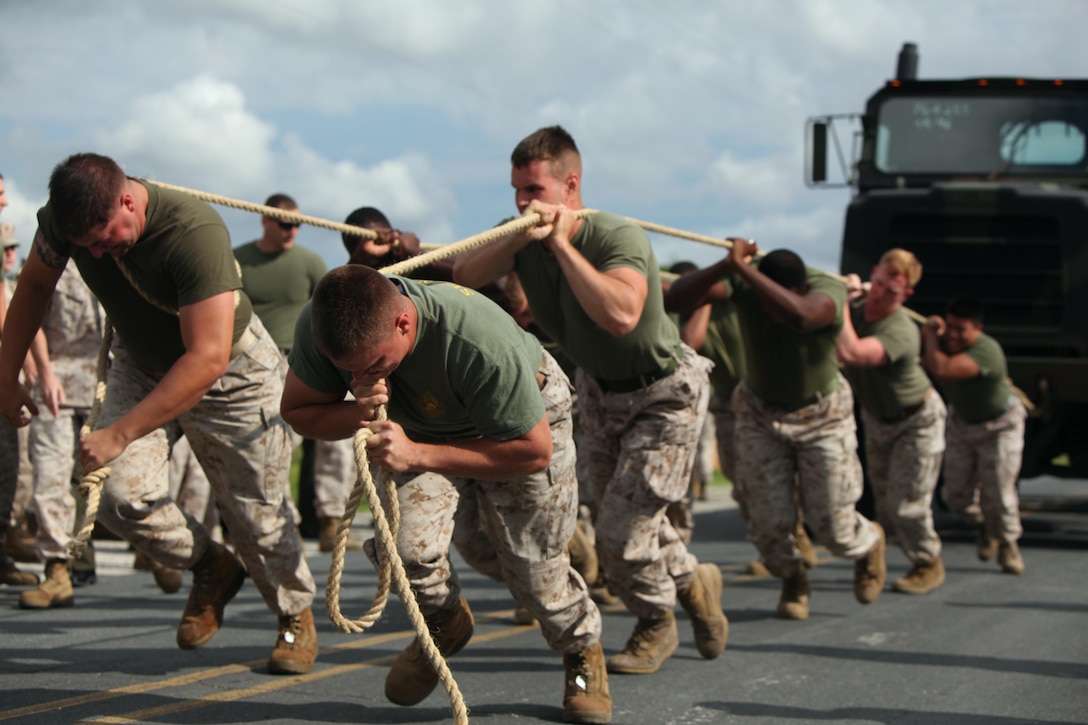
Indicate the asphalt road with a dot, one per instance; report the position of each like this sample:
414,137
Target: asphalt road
986,648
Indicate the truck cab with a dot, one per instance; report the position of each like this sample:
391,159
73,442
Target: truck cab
986,181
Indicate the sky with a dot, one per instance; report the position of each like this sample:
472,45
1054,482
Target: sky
688,113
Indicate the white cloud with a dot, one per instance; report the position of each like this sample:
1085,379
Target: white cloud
689,113
198,128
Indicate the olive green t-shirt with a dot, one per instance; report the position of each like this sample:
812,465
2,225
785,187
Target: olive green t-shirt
607,241
279,284
724,346
786,368
471,372
985,396
182,257
886,390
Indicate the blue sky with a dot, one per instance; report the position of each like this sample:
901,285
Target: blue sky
688,113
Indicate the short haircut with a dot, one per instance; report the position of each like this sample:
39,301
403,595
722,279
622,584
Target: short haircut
967,307
364,216
281,201
84,192
353,306
784,268
900,261
552,143
682,268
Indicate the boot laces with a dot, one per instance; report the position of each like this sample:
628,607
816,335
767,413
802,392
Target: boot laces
290,626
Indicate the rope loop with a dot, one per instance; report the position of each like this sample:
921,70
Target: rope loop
389,564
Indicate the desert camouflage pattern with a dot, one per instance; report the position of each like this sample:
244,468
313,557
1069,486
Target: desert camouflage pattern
334,476
725,423
53,458
244,447
73,326
640,448
517,530
807,458
681,514
981,465
190,488
903,462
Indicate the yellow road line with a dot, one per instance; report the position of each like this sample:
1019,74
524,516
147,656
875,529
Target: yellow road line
277,684
182,680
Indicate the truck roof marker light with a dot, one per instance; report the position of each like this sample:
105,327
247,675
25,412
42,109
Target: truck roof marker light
983,82
895,83
1057,81
1021,82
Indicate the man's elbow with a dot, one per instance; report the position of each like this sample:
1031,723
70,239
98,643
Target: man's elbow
618,326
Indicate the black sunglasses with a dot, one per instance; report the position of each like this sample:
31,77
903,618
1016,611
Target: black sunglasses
286,226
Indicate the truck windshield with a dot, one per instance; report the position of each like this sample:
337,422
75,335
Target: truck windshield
976,136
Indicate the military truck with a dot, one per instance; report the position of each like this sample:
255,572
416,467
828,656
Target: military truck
986,181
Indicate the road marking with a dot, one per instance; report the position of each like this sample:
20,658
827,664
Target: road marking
278,684
273,685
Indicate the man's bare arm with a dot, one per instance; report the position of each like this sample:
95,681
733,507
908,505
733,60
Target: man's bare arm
206,330
36,284
485,264
859,352
481,458
317,415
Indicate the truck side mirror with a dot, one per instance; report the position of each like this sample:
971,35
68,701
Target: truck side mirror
818,160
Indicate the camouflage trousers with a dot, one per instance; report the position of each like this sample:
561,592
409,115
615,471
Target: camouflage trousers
981,466
805,457
53,455
334,476
334,472
725,425
681,514
640,448
517,529
904,461
52,446
190,488
243,444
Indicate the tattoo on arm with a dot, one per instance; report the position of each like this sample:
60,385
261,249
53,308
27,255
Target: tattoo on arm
51,258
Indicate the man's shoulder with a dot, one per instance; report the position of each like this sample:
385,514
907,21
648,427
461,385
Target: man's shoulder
605,222
988,346
246,250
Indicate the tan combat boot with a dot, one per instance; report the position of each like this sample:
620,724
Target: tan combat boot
870,571
12,576
793,604
21,541
55,591
169,580
651,643
583,557
586,698
702,600
217,577
923,577
805,547
326,535
411,678
1008,556
987,546
296,645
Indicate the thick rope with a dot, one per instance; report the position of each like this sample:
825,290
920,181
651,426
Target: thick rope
270,211
90,486
389,566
